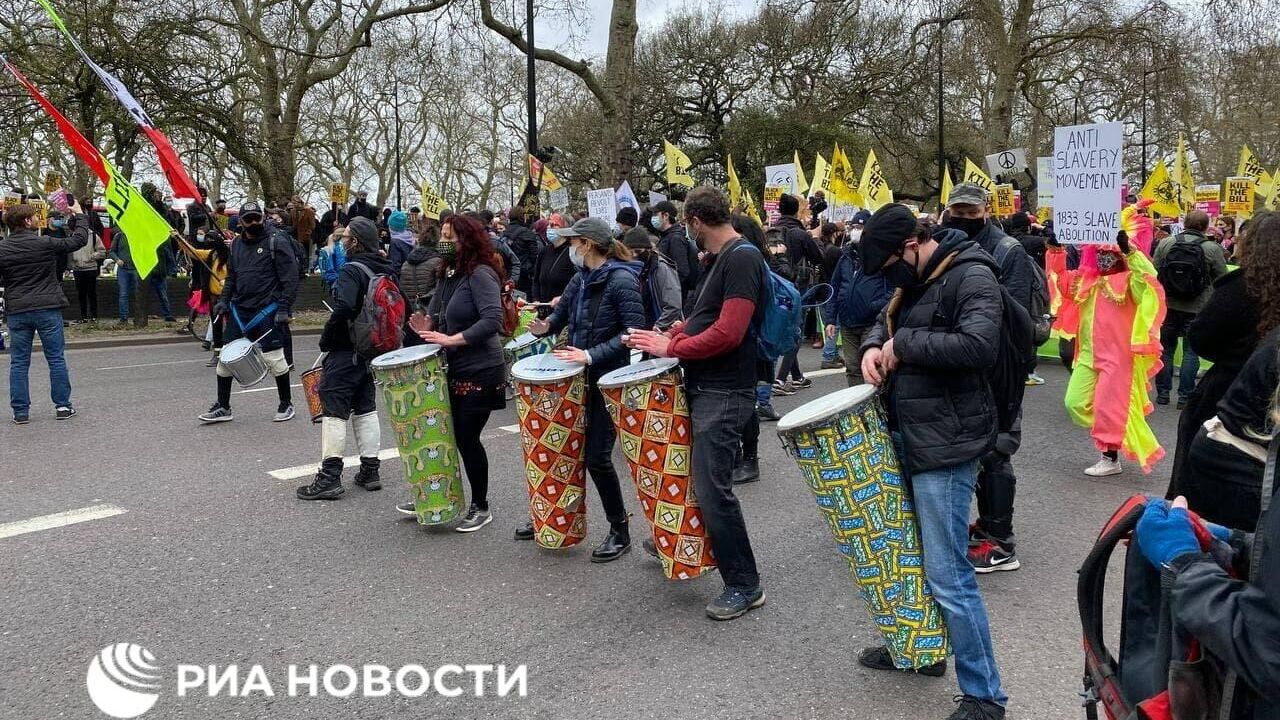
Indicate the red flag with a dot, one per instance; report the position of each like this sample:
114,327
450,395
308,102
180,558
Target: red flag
79,143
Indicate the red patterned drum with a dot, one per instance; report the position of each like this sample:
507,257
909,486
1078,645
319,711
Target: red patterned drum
551,401
648,406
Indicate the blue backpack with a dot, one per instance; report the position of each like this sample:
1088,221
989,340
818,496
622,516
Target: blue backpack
778,330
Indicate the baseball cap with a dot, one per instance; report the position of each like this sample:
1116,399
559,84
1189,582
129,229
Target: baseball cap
967,194
250,209
595,229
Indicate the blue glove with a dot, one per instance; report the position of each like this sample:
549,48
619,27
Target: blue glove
1165,532
1218,532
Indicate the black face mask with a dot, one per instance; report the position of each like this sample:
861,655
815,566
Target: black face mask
253,231
968,226
900,274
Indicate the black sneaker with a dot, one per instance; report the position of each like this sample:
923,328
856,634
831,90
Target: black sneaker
746,471
21,419
475,519
971,708
1182,403
734,604
525,531
802,383
1162,398
64,413
878,658
989,556
766,413
216,414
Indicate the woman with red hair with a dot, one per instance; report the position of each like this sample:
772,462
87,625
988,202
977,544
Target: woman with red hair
464,317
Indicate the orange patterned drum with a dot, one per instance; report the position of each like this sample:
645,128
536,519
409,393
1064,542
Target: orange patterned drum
311,389
551,401
648,406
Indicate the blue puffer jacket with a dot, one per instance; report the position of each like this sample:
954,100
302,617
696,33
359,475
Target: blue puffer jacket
856,297
599,315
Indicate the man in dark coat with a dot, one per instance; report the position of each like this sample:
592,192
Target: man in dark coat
525,244
362,208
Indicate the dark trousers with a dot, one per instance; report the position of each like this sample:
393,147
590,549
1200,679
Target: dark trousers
599,457
87,293
1067,352
469,420
790,365
995,491
1222,484
717,417
1175,327
346,385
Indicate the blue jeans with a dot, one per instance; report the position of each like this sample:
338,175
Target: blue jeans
829,349
127,283
23,328
1176,323
942,497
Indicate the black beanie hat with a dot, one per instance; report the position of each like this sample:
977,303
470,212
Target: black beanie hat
885,232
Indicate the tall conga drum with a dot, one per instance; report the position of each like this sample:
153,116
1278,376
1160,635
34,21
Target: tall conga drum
525,345
846,456
415,391
551,401
649,408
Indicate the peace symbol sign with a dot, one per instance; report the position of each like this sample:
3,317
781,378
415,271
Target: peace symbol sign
1007,160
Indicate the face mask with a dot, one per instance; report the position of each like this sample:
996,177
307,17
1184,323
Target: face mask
617,230
697,241
900,274
553,237
656,222
968,226
199,237
254,231
855,234
576,258
58,223
448,250
1107,262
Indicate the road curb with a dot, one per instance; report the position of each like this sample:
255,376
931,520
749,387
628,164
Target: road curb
120,342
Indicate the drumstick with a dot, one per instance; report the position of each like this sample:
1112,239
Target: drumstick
327,305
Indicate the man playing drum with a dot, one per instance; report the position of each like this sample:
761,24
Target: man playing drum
931,352
719,361
262,279
346,386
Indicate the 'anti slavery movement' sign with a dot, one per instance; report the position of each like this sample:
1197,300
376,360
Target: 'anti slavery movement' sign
1087,173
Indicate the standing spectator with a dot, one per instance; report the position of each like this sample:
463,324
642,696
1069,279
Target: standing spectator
829,238
361,207
526,246
1188,265
421,268
806,264
127,281
659,286
857,297
554,269
332,256
86,266
817,205
403,241
626,219
221,216
675,244
34,301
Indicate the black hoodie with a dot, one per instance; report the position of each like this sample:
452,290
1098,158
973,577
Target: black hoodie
348,298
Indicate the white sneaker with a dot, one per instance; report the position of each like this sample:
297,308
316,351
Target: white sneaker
1104,467
283,414
1034,379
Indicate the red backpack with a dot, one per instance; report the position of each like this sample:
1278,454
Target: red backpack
379,326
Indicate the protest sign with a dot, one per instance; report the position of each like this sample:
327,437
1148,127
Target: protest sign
1239,195
784,175
602,203
1044,182
772,195
1209,199
559,198
1007,165
1087,163
338,193
1004,204
52,181
41,220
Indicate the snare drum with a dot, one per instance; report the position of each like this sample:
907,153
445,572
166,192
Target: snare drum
243,359
551,401
843,448
415,389
648,406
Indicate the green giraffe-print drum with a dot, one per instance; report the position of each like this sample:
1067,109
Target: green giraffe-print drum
415,390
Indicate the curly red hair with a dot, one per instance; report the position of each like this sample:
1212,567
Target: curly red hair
474,247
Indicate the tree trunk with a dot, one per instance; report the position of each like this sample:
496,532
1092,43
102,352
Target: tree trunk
619,71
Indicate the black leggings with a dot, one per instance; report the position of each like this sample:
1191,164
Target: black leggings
87,292
468,423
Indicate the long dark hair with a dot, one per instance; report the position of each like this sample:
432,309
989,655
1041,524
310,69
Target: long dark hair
750,230
474,247
1260,257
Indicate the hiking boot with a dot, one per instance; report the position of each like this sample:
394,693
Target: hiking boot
525,531
327,484
734,603
781,387
367,476
475,519
1104,467
746,471
615,545
1034,379
878,658
832,364
284,413
216,414
1162,398
65,413
802,383
766,413
989,557
971,708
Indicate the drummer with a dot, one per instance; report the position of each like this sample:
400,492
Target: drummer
599,304
346,385
261,282
464,317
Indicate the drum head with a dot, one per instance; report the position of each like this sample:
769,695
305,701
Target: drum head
826,407
404,356
545,368
522,340
235,350
637,372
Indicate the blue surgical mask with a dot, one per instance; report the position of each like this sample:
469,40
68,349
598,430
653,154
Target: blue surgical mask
656,222
58,222
553,236
576,258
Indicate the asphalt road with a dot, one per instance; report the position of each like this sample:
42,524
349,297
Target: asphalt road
215,562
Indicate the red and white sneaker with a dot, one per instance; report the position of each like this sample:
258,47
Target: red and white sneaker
989,557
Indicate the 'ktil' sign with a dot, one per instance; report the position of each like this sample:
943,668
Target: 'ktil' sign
1087,175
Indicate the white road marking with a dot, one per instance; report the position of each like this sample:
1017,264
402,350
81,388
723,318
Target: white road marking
57,520
294,473
152,364
824,373
262,389
510,428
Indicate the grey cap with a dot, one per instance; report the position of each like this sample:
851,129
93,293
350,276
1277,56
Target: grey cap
967,194
597,230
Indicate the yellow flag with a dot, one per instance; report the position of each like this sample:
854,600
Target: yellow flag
678,165
821,175
749,206
974,174
946,183
844,182
1162,191
1185,181
433,204
135,217
874,187
801,183
1250,167
550,183
735,187
1273,202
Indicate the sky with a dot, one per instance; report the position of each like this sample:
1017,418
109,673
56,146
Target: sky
650,14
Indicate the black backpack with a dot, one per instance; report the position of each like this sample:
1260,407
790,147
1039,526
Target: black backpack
1184,273
1041,319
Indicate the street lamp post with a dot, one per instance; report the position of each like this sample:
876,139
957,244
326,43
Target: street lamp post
395,106
532,89
1145,75
942,153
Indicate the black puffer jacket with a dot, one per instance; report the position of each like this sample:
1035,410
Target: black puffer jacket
939,397
526,245
599,314
29,267
418,274
258,276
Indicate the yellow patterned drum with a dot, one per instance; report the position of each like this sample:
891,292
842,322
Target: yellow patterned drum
551,401
647,403
844,451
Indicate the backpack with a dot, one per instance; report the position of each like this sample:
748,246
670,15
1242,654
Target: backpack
379,326
1160,672
1041,318
778,331
1184,273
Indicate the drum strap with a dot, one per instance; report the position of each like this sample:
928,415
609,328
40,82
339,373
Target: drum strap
262,315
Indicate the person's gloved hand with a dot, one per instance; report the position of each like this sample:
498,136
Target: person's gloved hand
219,308
282,316
1218,532
1165,532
